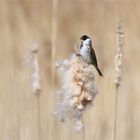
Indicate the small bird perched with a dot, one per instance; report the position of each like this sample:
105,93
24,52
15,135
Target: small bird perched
88,54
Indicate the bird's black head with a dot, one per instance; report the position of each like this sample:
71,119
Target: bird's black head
84,37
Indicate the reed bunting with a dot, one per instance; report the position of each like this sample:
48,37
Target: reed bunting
88,54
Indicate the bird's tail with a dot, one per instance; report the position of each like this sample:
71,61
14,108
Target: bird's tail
99,72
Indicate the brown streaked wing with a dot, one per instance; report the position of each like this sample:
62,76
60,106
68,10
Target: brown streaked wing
93,56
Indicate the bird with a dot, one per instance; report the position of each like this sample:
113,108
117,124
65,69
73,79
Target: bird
88,54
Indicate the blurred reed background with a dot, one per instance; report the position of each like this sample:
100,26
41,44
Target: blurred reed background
56,27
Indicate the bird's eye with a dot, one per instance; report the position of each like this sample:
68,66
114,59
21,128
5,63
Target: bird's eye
84,38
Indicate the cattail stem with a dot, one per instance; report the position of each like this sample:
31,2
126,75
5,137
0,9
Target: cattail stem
53,54
115,115
83,130
39,120
54,36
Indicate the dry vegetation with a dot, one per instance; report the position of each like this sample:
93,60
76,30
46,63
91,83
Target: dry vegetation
23,116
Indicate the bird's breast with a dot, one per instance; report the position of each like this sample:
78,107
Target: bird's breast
85,53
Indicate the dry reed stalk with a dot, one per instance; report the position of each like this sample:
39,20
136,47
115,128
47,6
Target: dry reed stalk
32,59
53,54
77,90
118,68
54,37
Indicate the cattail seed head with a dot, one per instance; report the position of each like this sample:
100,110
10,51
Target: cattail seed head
77,89
32,59
119,55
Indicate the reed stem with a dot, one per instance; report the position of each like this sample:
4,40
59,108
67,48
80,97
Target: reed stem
115,115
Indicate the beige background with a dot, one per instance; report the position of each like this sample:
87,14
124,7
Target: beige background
24,116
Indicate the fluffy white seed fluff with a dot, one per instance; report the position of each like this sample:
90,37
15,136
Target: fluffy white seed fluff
77,89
